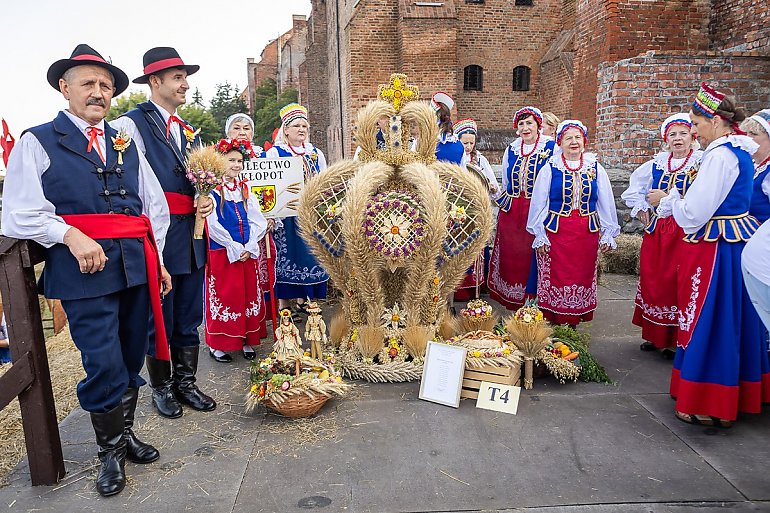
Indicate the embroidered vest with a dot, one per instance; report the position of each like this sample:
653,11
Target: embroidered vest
181,253
311,160
77,182
662,179
732,222
760,203
564,187
526,168
233,217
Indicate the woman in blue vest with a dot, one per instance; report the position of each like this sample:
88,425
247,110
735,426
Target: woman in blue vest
234,303
513,266
449,148
572,216
656,310
721,365
299,275
758,128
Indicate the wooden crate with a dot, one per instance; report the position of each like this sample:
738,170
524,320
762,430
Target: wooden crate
472,378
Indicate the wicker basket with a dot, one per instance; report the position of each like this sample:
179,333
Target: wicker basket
298,406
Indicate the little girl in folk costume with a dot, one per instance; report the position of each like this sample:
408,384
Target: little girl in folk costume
234,303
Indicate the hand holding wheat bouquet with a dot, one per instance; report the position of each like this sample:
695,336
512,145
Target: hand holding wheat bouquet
205,169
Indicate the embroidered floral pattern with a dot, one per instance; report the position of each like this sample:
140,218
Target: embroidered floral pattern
288,271
513,292
687,317
217,310
568,299
662,315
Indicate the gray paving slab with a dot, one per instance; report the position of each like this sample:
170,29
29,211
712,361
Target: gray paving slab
740,454
699,507
402,454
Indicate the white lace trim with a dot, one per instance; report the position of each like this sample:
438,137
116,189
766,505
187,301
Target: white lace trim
589,159
666,205
609,240
516,145
761,169
541,240
743,142
661,160
640,207
447,138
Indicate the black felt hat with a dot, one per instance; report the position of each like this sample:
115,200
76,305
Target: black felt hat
84,54
160,58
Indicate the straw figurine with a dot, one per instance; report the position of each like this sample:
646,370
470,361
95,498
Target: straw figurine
288,344
315,330
205,169
530,333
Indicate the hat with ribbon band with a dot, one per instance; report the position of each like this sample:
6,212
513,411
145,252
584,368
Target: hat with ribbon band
85,55
160,58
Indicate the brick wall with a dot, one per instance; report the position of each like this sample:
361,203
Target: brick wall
314,85
637,94
740,25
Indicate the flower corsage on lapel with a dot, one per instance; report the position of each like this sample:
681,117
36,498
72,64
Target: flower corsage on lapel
120,143
190,135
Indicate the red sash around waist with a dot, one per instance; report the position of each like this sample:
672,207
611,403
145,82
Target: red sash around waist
116,226
179,204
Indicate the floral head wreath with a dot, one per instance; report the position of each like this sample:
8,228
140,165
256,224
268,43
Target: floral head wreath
241,145
285,314
528,111
567,124
682,119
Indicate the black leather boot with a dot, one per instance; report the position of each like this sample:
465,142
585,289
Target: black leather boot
136,450
162,394
109,429
185,363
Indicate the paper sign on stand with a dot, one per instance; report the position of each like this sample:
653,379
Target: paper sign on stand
497,397
276,183
442,374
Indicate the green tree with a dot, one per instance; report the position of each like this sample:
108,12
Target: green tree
267,107
203,119
225,103
125,103
197,98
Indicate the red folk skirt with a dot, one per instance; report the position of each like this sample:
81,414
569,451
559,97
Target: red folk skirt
264,280
657,308
566,281
235,308
510,277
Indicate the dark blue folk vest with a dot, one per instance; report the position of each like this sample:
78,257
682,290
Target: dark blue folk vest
181,254
563,187
77,182
760,203
233,217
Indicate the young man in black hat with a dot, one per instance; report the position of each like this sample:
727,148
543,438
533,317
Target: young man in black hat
80,188
165,139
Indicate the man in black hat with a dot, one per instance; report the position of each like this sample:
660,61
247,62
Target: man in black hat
83,190
165,139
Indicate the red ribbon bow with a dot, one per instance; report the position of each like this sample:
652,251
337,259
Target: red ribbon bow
173,119
93,140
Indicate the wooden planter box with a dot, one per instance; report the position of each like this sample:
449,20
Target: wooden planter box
472,378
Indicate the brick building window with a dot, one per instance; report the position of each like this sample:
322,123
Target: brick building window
473,78
521,78
523,2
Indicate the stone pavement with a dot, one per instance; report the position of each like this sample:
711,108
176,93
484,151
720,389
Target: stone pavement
571,449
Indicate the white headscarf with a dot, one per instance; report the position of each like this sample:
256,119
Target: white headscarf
235,117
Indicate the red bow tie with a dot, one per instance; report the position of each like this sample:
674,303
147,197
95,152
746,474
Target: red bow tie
173,119
93,140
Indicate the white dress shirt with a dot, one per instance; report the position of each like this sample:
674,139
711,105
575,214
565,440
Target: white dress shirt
257,226
716,176
605,202
129,126
27,214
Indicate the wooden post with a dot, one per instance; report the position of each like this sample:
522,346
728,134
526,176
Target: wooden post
29,377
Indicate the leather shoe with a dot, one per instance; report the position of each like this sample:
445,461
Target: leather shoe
223,358
249,355
647,346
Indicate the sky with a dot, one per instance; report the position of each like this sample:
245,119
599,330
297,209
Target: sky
218,36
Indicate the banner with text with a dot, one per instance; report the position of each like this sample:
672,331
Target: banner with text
276,183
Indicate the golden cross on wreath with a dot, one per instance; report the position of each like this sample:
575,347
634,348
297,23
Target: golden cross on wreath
398,92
